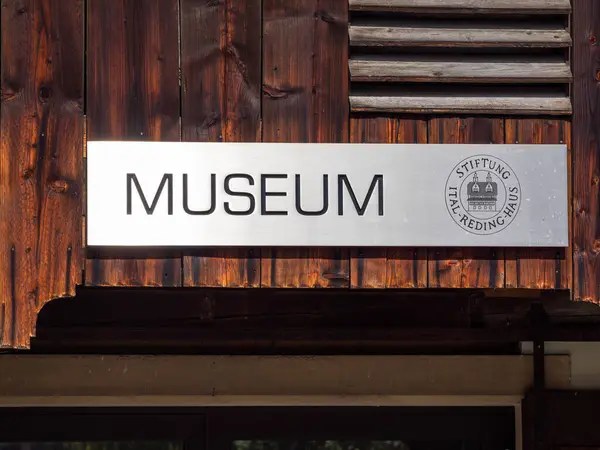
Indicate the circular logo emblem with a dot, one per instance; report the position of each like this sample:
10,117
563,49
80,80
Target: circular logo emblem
483,194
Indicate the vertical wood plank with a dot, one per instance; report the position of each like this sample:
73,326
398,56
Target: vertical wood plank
393,267
368,266
133,94
221,76
537,268
40,160
473,267
407,267
586,150
305,99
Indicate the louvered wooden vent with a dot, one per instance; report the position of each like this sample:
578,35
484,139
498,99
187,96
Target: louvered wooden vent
460,56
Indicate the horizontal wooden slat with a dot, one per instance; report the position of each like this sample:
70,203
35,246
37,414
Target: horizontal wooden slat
461,104
465,6
440,35
383,68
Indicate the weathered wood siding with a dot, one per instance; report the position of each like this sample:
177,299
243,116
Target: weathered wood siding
586,151
221,79
464,6
484,267
538,268
272,71
41,160
478,35
460,69
393,267
305,92
460,56
132,94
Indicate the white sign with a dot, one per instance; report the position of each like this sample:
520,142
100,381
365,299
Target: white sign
247,194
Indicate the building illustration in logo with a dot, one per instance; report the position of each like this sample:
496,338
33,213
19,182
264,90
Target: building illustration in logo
482,195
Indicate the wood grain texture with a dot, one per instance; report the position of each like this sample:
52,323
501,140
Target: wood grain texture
41,174
391,267
440,34
368,266
464,6
586,151
221,80
133,94
229,267
402,68
455,103
461,267
537,268
305,99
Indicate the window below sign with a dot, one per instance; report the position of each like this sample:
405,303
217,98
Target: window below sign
424,444
105,445
259,428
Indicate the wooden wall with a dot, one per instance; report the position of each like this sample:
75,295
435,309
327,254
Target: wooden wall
236,70
41,165
586,159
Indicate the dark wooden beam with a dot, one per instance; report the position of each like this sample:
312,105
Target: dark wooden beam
321,321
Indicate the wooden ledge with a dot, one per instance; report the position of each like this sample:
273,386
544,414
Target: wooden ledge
432,34
457,104
42,380
403,68
464,6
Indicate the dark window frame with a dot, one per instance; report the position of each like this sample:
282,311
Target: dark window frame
215,428
51,424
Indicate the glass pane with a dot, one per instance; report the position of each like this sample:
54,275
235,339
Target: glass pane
361,445
319,445
122,445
